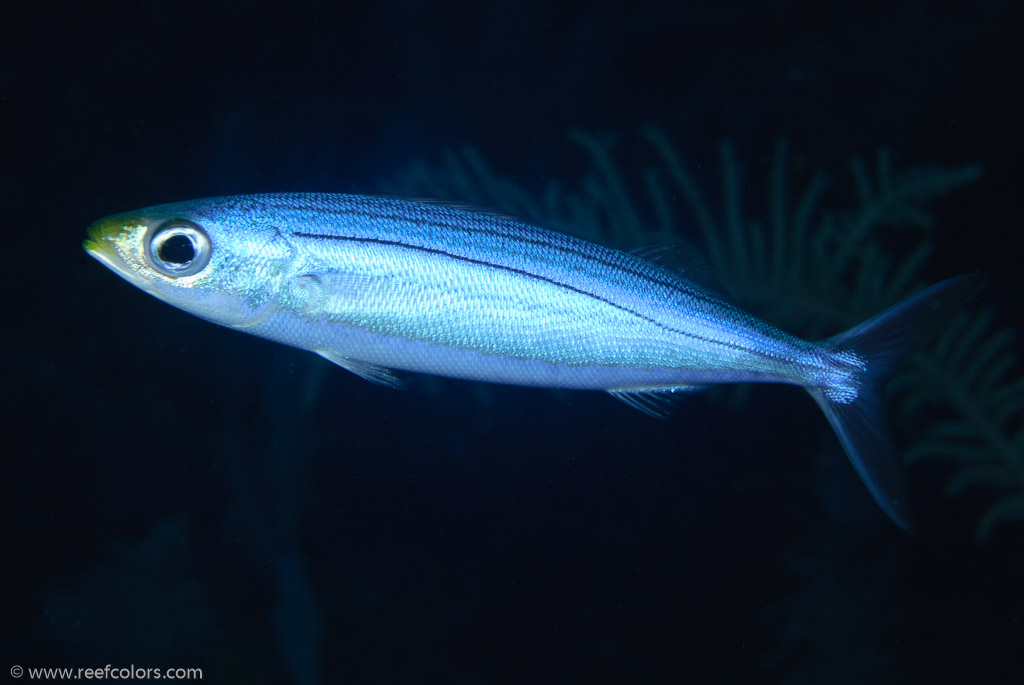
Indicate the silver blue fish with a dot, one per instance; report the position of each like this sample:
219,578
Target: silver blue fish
376,284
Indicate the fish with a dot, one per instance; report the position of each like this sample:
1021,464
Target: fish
378,284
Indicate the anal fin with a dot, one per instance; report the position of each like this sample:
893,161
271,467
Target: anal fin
371,372
656,402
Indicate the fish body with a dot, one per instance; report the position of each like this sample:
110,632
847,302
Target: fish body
375,284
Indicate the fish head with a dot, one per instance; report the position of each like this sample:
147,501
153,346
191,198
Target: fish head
220,265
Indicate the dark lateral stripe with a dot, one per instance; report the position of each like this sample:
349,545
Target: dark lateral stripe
521,272
423,220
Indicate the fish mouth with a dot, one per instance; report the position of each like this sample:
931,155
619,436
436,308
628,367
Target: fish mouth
100,234
101,253
102,245
104,235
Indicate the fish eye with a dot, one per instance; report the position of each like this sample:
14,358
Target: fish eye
179,248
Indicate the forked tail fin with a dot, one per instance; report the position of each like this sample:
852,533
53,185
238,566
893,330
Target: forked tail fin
883,342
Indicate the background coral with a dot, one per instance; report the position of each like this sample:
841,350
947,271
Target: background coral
806,260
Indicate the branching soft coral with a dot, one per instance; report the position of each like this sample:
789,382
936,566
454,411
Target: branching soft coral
808,265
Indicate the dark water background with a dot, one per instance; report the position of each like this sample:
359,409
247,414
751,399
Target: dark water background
178,495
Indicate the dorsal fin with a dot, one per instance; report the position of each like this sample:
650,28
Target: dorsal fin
470,207
686,261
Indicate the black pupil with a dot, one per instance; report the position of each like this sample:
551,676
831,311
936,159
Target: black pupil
177,249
